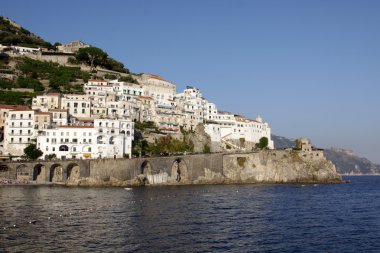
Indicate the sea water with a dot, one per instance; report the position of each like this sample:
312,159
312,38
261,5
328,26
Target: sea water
211,218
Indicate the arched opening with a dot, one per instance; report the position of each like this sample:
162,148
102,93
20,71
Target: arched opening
56,173
179,170
111,140
73,171
146,168
63,148
39,173
100,139
4,170
22,172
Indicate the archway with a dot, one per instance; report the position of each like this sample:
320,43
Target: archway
63,148
179,170
22,172
39,173
146,168
56,173
4,170
73,171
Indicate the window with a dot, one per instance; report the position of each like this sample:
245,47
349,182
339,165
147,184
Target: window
75,140
83,110
47,139
75,105
53,148
63,148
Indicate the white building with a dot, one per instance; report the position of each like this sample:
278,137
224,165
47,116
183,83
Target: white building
156,87
106,138
78,106
47,102
19,131
72,47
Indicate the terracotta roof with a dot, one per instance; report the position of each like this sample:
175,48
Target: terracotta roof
21,109
14,107
53,94
94,80
155,77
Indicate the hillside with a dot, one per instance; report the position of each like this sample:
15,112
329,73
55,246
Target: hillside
345,161
23,76
13,34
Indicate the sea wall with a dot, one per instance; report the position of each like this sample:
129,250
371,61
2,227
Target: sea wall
269,166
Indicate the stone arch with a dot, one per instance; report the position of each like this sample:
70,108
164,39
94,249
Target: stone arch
179,170
73,171
56,173
39,172
4,170
22,172
146,168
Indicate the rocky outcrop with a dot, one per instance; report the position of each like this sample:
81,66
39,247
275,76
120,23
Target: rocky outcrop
279,167
200,139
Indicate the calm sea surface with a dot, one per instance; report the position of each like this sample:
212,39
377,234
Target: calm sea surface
222,218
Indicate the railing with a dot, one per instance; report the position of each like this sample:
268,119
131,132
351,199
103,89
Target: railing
20,134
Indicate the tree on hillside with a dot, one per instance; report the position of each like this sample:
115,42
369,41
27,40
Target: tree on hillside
32,152
263,143
93,56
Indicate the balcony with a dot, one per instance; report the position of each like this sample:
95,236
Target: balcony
20,134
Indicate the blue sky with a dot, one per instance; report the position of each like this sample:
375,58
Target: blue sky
309,68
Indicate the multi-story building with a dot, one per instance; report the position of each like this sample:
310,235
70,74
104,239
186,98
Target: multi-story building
78,106
156,87
47,102
19,131
104,138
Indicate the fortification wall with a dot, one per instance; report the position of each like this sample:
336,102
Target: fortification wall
269,166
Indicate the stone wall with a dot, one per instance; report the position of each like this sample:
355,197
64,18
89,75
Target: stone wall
269,166
279,167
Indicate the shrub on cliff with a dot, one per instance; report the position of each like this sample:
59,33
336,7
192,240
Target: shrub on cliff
263,143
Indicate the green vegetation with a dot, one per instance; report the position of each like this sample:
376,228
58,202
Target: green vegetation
16,98
263,143
128,79
12,35
30,83
206,149
32,152
241,161
298,144
167,144
60,77
142,126
94,57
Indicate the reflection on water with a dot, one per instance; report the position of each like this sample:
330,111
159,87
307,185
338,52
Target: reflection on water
234,218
